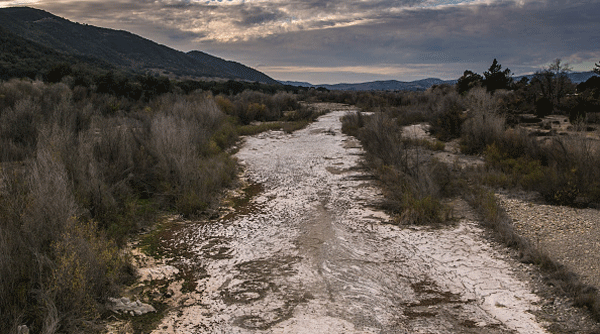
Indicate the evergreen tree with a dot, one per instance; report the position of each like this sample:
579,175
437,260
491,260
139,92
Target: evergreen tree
468,81
496,78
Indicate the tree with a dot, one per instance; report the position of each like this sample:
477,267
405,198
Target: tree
552,82
496,78
597,69
59,71
468,80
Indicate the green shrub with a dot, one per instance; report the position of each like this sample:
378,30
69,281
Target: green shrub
446,122
249,130
420,211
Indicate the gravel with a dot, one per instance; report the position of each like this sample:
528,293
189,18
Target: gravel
570,236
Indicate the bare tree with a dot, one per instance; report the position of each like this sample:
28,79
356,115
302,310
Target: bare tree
552,82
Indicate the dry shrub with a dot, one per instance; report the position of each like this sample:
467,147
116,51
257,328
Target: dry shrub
484,124
352,122
59,266
16,90
573,169
412,180
447,117
18,130
382,138
186,140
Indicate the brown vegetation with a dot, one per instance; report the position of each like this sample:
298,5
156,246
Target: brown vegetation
563,168
81,170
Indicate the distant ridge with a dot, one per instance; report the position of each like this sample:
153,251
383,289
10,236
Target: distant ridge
119,48
297,84
392,85
230,68
575,77
388,85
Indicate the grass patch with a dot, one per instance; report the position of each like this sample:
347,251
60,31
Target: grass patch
431,145
290,127
150,243
146,323
254,129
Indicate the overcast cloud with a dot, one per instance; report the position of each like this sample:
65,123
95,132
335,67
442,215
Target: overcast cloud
359,40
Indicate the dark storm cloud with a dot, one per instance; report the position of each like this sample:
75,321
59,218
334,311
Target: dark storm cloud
258,15
378,39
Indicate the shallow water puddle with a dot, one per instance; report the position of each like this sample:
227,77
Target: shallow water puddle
316,257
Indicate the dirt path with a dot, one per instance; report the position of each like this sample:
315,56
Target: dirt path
310,253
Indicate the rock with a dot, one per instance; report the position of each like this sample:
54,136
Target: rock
124,305
157,273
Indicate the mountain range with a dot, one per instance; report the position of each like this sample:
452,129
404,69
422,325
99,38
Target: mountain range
33,40
61,38
391,85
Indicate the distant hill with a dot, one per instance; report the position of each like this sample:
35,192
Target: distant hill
575,77
118,47
391,85
378,85
231,68
23,58
296,83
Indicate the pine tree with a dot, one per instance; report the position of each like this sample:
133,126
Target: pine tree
496,78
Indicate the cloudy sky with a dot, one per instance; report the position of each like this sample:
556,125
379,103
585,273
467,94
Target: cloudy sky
333,41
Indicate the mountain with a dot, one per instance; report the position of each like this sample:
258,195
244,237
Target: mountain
23,58
118,47
296,83
386,85
391,85
230,68
575,77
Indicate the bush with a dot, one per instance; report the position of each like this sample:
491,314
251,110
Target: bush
484,125
61,267
78,177
352,122
446,123
18,132
412,181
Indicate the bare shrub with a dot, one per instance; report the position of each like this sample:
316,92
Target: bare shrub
185,153
283,102
352,123
382,138
406,171
447,118
574,164
16,90
484,125
76,178
59,266
18,130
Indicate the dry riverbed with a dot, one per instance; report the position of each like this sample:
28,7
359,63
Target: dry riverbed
308,251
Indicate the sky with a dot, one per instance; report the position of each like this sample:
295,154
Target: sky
351,41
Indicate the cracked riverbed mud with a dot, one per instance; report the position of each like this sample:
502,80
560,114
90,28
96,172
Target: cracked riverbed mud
310,252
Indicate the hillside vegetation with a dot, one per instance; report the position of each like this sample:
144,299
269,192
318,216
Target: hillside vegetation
118,48
88,161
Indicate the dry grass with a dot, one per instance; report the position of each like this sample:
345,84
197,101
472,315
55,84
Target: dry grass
84,177
413,182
